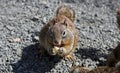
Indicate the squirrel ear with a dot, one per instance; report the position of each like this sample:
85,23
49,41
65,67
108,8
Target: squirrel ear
65,23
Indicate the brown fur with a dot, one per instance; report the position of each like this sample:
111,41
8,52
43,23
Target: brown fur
102,69
59,32
114,56
77,69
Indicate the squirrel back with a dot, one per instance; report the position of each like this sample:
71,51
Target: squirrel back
59,36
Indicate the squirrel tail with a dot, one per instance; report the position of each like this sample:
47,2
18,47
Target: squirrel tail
66,11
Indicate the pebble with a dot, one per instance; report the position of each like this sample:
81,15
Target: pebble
9,27
35,39
36,18
19,52
16,39
102,59
44,20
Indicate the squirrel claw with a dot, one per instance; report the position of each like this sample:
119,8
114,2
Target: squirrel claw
70,57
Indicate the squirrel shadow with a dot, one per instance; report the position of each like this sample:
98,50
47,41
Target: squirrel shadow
32,62
94,54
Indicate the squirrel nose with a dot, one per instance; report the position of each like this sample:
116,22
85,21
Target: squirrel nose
56,43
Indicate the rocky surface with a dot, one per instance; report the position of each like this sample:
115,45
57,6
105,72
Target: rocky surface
21,20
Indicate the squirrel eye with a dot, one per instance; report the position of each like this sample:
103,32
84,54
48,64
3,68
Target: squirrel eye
63,33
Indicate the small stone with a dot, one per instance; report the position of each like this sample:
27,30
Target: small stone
76,63
12,32
44,2
44,20
102,59
47,6
19,51
10,40
36,18
17,40
9,27
10,68
35,38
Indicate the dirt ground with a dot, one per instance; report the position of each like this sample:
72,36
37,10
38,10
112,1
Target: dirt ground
21,21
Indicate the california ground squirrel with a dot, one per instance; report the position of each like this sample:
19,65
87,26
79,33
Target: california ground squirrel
102,69
59,36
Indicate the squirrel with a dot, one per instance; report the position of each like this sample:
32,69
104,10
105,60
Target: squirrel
101,69
60,36
114,56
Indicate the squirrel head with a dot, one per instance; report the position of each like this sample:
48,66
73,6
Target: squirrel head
59,33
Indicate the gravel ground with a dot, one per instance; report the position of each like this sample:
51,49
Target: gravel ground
21,20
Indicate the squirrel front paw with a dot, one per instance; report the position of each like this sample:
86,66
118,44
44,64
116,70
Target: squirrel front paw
70,57
54,50
60,51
